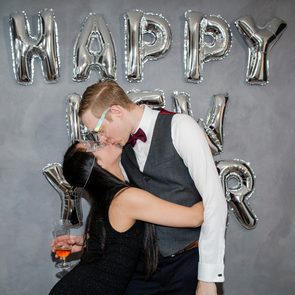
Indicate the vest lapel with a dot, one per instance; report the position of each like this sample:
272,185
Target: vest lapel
129,155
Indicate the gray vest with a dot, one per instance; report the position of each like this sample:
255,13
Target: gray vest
166,176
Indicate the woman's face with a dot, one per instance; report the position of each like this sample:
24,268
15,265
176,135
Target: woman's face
108,155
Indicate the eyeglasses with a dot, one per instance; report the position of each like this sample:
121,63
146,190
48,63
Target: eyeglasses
91,136
94,135
100,121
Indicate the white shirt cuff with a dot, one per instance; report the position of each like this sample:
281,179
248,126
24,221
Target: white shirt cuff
211,272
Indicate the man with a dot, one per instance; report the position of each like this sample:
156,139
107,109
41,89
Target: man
166,154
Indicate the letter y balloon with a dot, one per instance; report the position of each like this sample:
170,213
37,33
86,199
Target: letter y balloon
259,41
70,197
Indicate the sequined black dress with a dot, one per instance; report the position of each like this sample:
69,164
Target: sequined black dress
107,271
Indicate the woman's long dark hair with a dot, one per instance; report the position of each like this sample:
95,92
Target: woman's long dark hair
81,170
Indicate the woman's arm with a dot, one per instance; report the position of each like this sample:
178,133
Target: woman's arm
137,204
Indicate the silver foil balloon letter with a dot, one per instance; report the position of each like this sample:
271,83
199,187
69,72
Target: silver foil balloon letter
196,50
137,50
70,197
237,180
182,103
76,129
87,58
259,41
214,123
26,48
72,118
153,98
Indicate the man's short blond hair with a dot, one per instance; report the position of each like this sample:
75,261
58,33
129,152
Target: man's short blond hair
102,95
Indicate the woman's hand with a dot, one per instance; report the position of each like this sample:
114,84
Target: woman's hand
74,242
199,211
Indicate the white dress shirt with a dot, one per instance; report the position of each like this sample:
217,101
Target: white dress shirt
190,142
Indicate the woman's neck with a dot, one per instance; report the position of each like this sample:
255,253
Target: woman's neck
117,171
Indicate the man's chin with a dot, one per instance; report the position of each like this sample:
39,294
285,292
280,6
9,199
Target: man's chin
118,145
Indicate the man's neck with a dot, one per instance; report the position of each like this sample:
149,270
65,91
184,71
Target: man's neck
135,116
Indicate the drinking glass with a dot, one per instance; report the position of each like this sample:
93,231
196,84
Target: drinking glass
62,228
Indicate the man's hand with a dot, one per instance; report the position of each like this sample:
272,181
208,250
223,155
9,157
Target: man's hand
75,242
206,288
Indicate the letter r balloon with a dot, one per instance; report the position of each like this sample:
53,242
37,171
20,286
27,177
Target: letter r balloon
237,179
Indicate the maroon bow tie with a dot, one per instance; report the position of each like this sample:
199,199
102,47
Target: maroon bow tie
139,134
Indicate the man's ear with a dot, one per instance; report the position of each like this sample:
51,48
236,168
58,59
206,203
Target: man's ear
117,110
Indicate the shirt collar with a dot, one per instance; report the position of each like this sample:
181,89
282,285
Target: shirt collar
147,121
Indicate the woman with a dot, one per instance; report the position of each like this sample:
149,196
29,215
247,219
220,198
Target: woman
115,231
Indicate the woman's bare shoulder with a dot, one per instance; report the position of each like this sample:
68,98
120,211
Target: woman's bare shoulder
128,196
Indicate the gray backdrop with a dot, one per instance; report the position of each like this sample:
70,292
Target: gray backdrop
259,128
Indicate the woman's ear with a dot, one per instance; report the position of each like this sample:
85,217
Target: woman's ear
98,159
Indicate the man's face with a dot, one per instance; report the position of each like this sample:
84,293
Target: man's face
113,129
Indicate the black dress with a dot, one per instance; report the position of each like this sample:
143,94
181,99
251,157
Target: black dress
107,271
